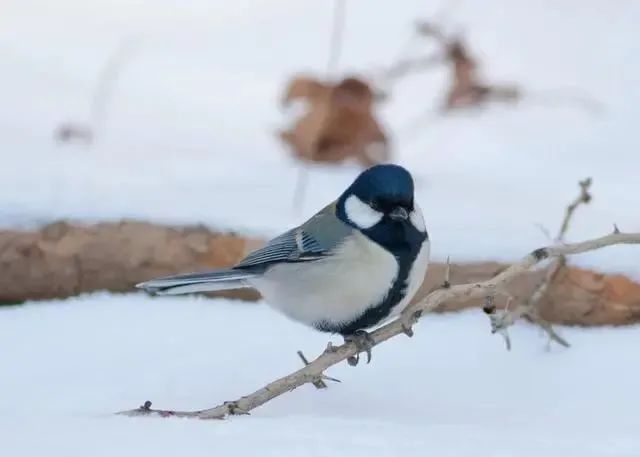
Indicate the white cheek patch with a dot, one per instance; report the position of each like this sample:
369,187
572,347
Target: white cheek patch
416,218
360,213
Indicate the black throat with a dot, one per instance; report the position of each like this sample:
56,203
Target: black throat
404,241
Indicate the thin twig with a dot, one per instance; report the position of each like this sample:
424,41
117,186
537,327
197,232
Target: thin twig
107,80
502,319
318,383
584,197
404,67
337,33
545,231
335,48
567,97
328,358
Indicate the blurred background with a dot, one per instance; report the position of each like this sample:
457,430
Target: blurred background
185,121
147,137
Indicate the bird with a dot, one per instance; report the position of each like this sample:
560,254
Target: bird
352,266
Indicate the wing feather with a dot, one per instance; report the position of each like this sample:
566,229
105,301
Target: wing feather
296,245
313,240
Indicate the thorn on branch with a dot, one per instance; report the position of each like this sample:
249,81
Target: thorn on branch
318,383
330,348
407,321
447,275
545,231
407,330
616,230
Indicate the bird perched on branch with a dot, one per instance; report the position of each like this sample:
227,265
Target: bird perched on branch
354,264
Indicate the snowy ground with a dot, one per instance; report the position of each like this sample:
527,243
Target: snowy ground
188,139
453,390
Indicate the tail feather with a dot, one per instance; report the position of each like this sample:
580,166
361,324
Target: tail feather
207,281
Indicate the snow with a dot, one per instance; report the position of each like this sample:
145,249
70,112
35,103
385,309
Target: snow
189,132
189,139
451,390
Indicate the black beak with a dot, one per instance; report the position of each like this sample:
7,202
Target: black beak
399,214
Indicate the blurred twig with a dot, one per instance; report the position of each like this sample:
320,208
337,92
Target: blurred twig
467,89
107,80
102,94
336,39
337,35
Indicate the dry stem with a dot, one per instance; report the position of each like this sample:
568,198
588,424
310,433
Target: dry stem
315,369
501,320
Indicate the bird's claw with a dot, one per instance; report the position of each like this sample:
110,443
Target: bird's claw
363,342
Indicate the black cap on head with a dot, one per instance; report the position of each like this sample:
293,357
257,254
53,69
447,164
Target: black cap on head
386,183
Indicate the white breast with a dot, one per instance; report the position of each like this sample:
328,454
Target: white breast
335,290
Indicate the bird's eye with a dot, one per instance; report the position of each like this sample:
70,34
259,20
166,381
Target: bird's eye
375,205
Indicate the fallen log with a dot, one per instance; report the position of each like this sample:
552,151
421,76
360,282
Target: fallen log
64,259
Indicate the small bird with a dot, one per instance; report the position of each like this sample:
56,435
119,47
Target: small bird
353,265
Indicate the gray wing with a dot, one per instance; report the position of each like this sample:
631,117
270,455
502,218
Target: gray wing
313,240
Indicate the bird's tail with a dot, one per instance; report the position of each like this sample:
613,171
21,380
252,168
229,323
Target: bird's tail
207,281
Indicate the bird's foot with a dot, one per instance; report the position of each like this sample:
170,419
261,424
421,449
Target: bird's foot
363,342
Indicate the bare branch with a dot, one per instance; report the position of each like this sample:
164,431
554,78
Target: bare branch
328,358
404,67
502,319
584,197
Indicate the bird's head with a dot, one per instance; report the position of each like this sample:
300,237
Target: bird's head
382,196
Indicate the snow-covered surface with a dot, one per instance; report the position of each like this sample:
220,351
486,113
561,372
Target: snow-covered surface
189,139
452,390
189,132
